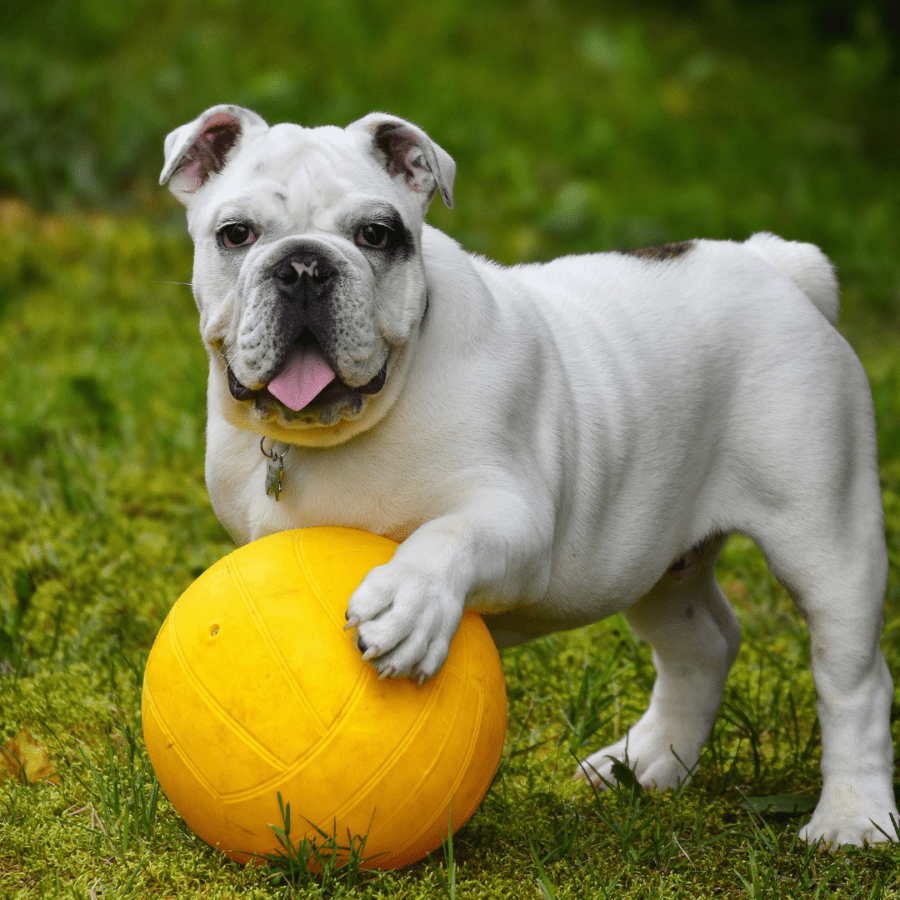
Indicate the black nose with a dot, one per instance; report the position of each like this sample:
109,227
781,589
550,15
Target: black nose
304,276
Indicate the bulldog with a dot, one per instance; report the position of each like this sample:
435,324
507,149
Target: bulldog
551,443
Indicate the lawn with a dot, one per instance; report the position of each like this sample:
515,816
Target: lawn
575,127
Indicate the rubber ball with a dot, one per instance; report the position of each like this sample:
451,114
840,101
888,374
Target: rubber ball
253,689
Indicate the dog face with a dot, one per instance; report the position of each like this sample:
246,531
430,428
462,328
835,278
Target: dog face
308,272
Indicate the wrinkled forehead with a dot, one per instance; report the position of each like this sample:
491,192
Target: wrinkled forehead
325,161
305,174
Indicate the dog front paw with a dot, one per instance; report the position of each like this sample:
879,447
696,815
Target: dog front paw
404,621
655,769
661,749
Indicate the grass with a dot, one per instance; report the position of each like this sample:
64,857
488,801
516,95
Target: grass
324,866
575,127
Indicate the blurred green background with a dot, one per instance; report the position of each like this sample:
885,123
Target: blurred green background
575,125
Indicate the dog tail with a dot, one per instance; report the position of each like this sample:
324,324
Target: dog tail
806,265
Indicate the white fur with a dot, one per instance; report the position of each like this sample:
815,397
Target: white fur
552,438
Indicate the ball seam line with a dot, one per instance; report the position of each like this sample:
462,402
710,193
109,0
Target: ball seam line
272,646
214,707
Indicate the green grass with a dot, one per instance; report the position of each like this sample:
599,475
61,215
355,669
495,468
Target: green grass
575,127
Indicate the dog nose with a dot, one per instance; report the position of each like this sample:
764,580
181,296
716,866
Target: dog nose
304,276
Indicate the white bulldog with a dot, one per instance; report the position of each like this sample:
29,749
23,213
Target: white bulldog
551,443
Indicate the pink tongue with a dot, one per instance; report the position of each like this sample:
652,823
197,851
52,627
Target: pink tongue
304,376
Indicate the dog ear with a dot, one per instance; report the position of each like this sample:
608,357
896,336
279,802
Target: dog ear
200,149
406,151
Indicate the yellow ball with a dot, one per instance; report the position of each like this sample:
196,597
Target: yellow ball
254,688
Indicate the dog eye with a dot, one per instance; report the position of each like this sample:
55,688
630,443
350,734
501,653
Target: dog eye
237,234
374,235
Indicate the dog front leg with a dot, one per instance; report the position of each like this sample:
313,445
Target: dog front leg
407,611
695,638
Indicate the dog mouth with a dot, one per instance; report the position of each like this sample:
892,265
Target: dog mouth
305,379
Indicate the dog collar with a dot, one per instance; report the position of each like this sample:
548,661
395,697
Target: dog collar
274,468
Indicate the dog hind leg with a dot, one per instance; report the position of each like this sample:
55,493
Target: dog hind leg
842,604
822,533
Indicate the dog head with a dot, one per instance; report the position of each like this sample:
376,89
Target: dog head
308,271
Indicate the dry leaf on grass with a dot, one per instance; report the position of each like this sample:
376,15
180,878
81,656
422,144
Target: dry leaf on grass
26,760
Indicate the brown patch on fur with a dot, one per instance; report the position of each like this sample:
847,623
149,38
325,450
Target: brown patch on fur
661,252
